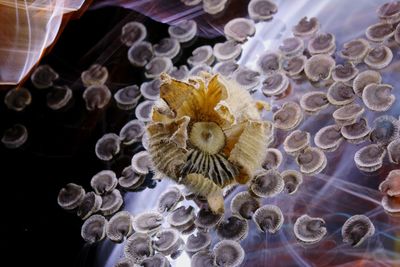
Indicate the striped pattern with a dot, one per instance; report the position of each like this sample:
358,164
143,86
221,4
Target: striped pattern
216,167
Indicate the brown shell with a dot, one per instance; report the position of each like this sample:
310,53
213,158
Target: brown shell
296,141
379,57
319,67
311,161
378,97
340,94
306,27
313,102
348,114
288,117
365,78
355,50
345,72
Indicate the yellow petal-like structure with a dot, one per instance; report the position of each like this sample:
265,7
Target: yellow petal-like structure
250,150
207,133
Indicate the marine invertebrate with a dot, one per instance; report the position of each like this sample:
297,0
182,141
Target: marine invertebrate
207,134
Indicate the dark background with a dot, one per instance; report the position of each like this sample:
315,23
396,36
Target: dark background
60,146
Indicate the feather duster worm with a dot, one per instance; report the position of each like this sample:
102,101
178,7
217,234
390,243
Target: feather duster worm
207,133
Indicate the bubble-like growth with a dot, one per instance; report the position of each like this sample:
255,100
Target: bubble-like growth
275,84
292,179
340,94
167,47
378,97
389,12
202,259
261,9
138,247
143,110
348,114
244,205
269,62
201,55
70,196
132,132
166,241
288,117
119,226
248,79
369,158
356,132
309,230
133,33
306,28
127,98
319,67
96,75
228,50
147,222
94,229
107,146
294,66
365,78
345,72
141,163
90,204
394,151
267,183
129,179
140,53
157,260
385,129
181,216
355,50
239,29
104,182
111,202
356,229
268,218
43,77
96,97
58,97
18,99
206,219
292,46
156,66
232,228
296,141
328,138
379,57
311,161
273,159
228,253
313,102
391,185
196,242
214,6
379,32
15,136
322,43
168,200
226,68
184,31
